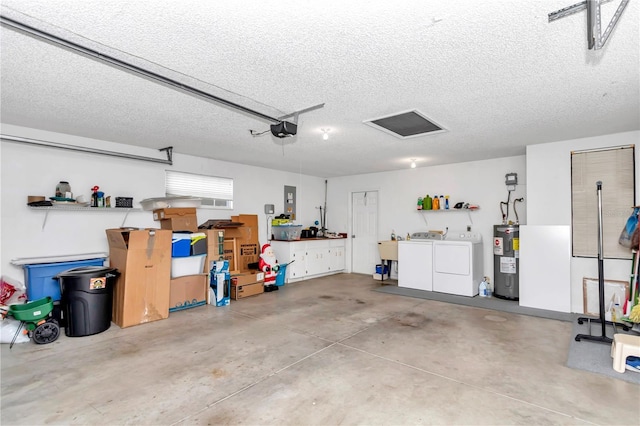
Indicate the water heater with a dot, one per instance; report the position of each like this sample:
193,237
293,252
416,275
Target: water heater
506,261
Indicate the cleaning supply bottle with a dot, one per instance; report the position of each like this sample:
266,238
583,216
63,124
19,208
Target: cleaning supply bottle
420,201
482,288
441,202
393,235
427,203
446,202
408,236
94,196
435,203
489,287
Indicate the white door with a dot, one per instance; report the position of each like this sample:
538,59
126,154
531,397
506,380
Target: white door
364,235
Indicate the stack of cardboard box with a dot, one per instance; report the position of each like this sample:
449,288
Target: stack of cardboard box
188,289
241,248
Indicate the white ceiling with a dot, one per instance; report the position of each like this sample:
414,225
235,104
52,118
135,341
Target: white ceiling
496,74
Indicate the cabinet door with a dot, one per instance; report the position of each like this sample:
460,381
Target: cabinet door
337,262
317,260
298,269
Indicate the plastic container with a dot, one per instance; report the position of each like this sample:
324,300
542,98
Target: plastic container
281,275
190,265
427,203
382,269
180,245
124,202
63,189
198,243
286,233
40,281
87,299
482,289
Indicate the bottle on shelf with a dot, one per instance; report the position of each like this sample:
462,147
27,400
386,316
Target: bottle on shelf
426,203
94,196
441,202
446,202
435,203
420,201
408,236
393,235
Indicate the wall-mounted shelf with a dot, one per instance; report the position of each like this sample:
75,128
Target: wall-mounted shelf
468,211
72,208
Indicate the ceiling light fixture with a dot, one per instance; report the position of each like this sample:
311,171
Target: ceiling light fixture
413,163
325,134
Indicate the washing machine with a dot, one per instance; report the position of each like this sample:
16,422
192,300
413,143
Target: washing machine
415,265
458,264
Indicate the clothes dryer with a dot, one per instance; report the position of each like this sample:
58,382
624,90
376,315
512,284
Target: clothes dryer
457,263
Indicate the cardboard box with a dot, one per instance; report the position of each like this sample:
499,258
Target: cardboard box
181,223
188,292
220,283
170,213
213,248
248,253
245,290
143,259
247,278
241,233
249,230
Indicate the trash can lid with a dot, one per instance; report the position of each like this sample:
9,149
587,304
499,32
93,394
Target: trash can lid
86,270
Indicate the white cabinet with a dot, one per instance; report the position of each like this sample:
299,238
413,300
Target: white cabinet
297,269
336,254
317,258
311,258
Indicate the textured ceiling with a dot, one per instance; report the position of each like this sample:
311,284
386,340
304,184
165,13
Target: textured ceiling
496,74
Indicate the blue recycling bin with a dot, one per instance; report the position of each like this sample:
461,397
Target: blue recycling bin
281,275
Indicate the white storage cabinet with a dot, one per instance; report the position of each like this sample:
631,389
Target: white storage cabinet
313,258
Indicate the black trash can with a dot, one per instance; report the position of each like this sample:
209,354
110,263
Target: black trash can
87,299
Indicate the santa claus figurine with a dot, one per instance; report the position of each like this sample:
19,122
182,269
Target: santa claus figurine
269,265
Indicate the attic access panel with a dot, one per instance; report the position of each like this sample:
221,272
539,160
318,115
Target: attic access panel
407,124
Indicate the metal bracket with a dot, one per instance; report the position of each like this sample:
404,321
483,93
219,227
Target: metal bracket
595,39
169,151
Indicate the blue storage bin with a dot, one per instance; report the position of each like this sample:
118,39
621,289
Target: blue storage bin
381,268
39,277
180,245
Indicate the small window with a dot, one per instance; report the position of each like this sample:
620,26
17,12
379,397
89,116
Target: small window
215,192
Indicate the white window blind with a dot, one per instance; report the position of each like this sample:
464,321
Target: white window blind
615,168
213,190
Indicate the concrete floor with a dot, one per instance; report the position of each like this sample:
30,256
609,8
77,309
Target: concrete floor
325,351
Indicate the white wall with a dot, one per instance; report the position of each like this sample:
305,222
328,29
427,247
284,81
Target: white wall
477,182
544,180
549,196
32,170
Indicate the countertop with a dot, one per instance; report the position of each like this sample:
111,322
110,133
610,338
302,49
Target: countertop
311,239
